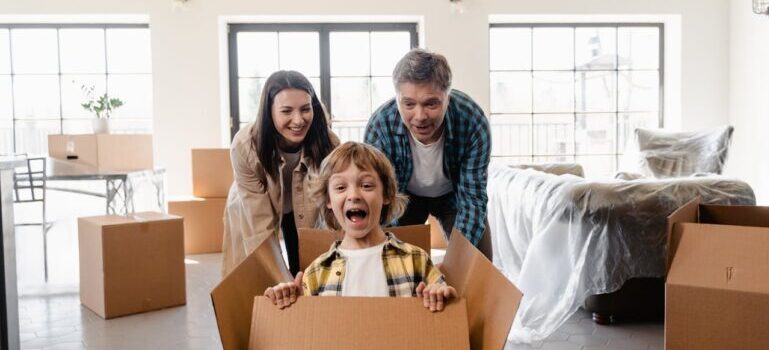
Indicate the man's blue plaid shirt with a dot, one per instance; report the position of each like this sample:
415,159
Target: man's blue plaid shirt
466,153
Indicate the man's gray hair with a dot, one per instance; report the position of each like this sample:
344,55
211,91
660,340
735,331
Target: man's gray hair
420,66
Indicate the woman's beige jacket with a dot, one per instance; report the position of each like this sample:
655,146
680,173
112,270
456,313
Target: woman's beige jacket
255,202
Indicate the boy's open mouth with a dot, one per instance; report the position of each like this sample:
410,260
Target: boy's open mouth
356,215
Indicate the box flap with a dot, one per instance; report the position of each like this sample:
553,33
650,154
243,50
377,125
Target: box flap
492,300
722,257
233,298
738,215
347,323
689,212
314,242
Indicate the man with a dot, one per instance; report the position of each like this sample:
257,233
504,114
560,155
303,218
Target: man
439,142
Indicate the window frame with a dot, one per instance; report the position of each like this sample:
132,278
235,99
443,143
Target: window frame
57,27
575,25
323,30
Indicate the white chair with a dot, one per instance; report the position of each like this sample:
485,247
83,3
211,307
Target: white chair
29,187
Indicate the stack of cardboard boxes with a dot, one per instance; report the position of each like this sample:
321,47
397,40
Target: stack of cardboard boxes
203,213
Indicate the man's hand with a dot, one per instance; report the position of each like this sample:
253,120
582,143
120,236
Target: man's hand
285,294
435,295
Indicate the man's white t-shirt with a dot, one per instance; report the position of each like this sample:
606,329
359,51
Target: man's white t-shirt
364,273
428,179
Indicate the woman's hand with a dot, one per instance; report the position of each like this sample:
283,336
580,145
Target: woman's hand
434,296
285,294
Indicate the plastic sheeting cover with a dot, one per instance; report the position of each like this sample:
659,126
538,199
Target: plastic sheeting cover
562,238
665,154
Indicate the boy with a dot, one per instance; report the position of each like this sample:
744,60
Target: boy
357,190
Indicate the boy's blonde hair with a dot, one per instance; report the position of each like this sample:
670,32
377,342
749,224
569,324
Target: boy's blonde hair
364,157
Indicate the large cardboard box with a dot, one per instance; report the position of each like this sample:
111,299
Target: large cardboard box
131,264
203,223
490,299
211,172
437,237
104,151
717,288
314,242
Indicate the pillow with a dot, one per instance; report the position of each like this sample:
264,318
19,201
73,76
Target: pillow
666,154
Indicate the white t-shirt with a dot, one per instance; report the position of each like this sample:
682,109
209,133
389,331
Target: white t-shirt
428,179
364,273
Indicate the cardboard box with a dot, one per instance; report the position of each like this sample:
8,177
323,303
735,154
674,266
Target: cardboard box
314,242
437,237
131,264
203,223
406,324
211,172
491,303
106,152
717,288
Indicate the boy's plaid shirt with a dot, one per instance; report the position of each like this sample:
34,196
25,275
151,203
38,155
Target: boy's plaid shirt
405,266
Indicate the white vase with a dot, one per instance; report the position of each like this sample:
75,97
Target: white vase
100,125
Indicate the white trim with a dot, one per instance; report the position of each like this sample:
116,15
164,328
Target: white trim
603,18
76,19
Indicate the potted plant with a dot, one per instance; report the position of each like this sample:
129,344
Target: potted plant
102,106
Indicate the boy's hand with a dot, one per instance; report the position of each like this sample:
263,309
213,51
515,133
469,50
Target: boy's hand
284,294
435,295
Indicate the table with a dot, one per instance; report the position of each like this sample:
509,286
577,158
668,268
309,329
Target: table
119,191
9,304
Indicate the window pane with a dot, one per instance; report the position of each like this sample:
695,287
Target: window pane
36,96
34,51
5,52
510,134
249,91
299,52
510,48
553,134
32,135
6,98
639,91
553,92
553,48
598,166
79,126
72,94
628,122
503,160
382,90
349,54
6,137
596,48
510,92
553,159
257,53
350,98
136,93
639,48
128,50
349,130
131,126
387,48
595,133
82,50
596,91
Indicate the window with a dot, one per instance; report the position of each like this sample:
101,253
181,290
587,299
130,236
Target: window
43,69
573,93
350,66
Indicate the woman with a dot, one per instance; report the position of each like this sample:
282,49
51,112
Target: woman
271,158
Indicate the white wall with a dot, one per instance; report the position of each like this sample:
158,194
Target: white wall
188,101
749,109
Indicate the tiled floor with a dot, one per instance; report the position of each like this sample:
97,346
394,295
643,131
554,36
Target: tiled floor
51,316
